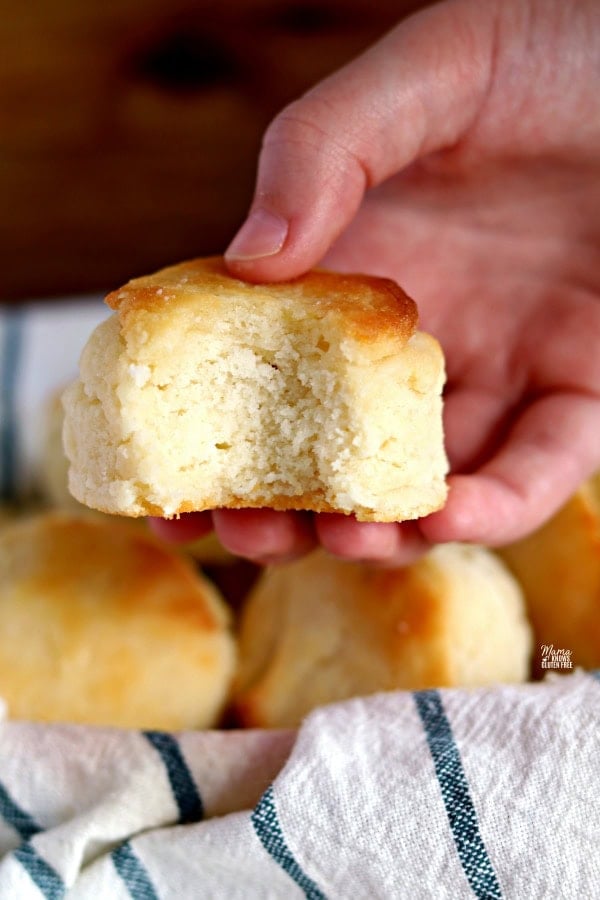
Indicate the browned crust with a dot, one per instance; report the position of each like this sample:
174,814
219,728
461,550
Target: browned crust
310,502
373,307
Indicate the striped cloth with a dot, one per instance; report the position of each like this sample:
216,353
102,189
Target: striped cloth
451,794
490,793
40,345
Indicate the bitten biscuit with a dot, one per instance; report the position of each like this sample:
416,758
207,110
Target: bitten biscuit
101,624
558,567
321,630
203,391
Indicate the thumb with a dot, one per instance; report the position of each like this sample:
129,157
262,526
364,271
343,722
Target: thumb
416,91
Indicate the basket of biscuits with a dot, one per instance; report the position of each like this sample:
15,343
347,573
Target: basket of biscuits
181,722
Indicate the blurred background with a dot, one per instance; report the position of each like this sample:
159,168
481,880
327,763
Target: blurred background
129,129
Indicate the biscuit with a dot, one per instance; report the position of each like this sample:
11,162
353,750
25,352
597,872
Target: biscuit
558,567
321,630
100,624
53,475
203,391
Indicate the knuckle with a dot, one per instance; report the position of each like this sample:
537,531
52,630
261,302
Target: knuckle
308,127
297,121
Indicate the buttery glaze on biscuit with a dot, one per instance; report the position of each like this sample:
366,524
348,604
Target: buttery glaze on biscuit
369,305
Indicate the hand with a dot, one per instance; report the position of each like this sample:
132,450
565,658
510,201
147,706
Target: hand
460,156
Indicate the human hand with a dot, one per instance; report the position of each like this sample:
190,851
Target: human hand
460,156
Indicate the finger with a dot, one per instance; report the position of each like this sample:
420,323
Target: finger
415,91
264,535
553,447
387,543
187,527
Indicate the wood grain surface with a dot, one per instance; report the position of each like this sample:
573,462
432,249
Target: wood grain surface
129,129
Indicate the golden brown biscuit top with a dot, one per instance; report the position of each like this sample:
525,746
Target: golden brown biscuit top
371,306
65,557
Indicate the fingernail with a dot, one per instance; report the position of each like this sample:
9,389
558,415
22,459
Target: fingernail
262,234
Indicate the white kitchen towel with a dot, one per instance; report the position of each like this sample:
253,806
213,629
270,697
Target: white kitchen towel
487,793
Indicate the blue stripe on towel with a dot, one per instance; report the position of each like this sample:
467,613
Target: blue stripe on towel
49,882
454,788
595,673
20,820
267,827
185,792
133,873
41,873
10,355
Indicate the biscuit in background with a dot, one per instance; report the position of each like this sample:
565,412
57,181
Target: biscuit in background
321,630
203,391
558,567
101,624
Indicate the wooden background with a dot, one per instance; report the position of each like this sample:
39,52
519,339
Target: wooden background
129,129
